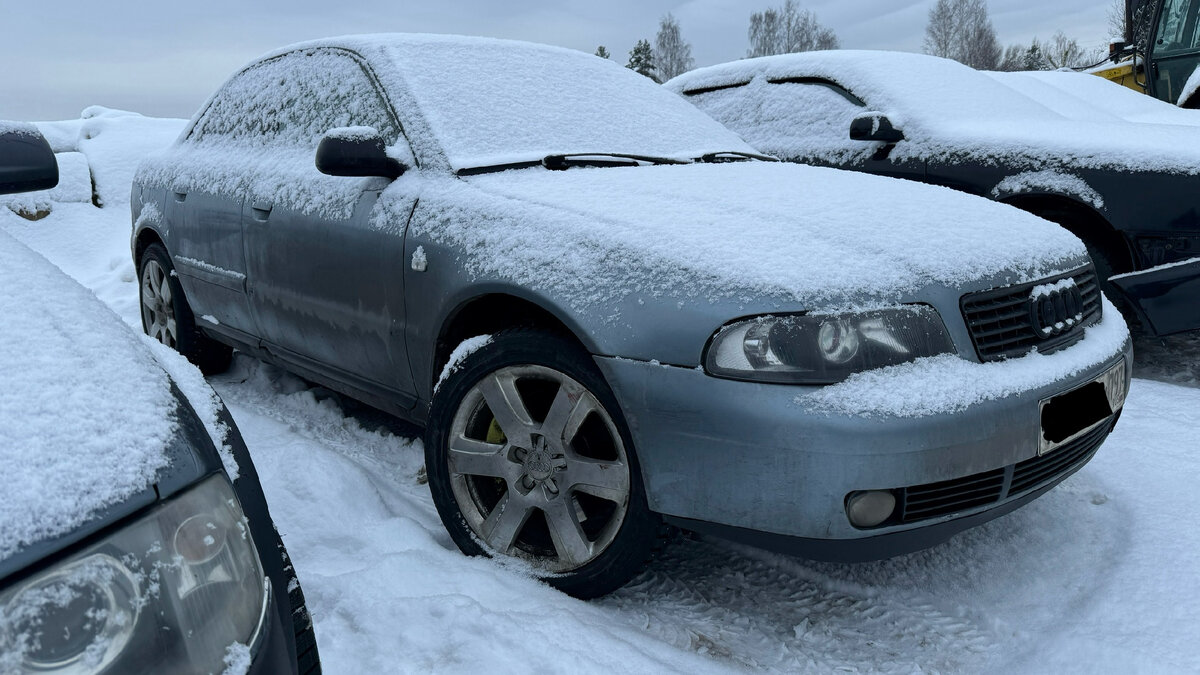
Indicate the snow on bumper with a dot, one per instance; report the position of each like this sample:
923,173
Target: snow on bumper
758,457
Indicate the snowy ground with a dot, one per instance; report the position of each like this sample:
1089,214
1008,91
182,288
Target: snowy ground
1101,574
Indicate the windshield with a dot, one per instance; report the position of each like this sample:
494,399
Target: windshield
492,102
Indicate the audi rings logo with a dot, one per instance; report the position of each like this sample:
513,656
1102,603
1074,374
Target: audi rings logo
1055,308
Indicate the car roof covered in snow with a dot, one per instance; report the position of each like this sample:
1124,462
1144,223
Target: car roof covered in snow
947,109
85,411
480,101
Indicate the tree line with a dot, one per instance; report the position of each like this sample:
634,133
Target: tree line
957,29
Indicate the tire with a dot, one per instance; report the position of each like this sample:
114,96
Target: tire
167,317
308,660
552,480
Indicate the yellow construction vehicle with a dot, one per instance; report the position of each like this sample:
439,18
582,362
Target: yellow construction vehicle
1160,52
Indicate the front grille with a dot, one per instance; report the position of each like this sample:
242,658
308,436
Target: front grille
922,502
1000,324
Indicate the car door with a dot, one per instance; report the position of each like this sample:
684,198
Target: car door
325,253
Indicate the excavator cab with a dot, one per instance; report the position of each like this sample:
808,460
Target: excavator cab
1161,51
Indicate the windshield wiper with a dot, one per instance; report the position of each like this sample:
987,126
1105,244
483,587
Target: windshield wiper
733,156
566,161
602,159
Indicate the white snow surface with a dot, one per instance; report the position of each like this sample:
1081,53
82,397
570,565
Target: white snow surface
461,352
84,410
948,383
500,101
1090,577
1083,96
946,109
1190,87
13,127
1054,182
819,237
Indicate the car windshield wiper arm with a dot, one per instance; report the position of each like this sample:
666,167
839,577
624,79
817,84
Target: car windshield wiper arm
560,162
566,161
733,156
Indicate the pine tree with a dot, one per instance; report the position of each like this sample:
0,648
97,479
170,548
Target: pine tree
641,59
602,52
672,54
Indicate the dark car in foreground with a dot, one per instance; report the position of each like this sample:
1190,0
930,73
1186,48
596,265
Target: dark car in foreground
1081,154
609,310
134,535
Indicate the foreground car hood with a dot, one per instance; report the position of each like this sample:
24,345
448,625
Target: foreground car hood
807,235
85,414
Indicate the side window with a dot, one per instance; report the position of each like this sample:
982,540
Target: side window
806,120
1177,29
291,100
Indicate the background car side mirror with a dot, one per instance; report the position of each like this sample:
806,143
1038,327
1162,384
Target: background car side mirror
26,161
874,126
356,151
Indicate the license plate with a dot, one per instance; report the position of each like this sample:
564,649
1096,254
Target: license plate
1072,414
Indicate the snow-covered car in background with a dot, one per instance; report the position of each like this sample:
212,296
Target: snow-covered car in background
1117,169
134,535
607,309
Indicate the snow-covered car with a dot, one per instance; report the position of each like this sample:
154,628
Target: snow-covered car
134,535
1116,168
608,310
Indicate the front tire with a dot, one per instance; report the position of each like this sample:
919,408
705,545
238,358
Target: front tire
529,457
167,317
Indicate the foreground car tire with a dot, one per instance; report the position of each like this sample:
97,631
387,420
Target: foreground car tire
167,317
528,456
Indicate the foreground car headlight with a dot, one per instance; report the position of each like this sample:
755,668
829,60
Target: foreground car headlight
171,592
825,348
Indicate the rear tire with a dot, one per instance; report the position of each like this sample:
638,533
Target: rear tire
167,317
529,457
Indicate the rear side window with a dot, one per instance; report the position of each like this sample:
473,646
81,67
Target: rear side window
806,120
291,100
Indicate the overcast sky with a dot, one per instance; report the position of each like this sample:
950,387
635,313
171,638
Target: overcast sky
164,58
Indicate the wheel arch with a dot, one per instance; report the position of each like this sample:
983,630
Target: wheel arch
1081,220
494,311
142,239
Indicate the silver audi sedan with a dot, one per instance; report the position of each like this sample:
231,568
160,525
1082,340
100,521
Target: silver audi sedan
610,312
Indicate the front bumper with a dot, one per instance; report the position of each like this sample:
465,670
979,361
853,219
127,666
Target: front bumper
747,461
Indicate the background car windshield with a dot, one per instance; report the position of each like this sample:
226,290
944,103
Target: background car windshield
494,103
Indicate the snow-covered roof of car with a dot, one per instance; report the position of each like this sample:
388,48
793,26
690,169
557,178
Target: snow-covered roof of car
85,411
945,108
486,101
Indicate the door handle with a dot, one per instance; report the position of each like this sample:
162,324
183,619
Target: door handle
261,214
180,197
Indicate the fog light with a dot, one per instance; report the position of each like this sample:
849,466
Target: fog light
870,508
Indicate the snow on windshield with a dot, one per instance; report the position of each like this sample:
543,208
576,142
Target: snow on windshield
84,411
494,101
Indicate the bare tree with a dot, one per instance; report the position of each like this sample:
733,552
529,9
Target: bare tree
1064,52
641,59
788,29
1143,16
672,54
963,31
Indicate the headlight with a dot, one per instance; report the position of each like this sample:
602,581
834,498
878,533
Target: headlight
825,348
170,593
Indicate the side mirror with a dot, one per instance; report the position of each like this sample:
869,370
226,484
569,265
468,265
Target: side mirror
26,161
874,126
355,151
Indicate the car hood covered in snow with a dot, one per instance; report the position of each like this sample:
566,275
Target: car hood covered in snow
947,110
85,412
806,236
